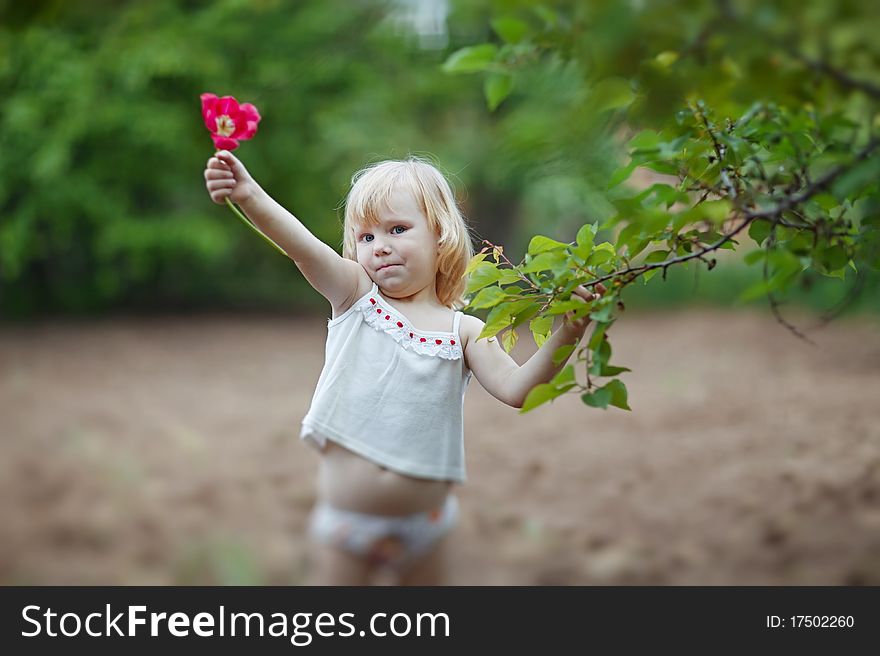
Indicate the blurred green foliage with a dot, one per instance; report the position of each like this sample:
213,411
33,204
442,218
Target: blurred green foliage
102,202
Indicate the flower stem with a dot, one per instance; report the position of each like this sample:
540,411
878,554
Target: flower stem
250,225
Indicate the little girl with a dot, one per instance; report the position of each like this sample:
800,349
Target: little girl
386,415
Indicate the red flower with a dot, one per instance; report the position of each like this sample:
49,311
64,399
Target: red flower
228,121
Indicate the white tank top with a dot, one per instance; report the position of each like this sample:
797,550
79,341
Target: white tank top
391,393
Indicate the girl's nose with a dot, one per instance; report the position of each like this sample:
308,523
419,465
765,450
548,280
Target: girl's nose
380,248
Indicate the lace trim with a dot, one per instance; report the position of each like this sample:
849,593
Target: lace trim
389,321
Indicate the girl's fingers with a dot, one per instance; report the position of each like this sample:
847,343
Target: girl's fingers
584,294
214,185
227,159
214,174
216,163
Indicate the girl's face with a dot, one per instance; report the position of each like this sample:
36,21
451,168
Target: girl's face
399,254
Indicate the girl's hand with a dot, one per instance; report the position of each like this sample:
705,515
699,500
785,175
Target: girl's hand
226,176
581,293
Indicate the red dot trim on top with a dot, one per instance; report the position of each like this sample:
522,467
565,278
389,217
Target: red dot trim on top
400,324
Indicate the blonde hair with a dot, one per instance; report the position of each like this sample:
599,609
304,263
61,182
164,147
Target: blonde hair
371,189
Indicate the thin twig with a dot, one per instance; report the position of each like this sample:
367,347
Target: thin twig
844,79
774,304
852,294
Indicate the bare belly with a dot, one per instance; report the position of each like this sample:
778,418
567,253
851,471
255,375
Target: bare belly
351,482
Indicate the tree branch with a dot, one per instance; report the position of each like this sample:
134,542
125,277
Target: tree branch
769,214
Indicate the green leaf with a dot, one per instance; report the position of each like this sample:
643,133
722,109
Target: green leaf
541,328
498,319
611,93
562,354
754,256
759,230
561,307
656,256
540,244
653,258
564,377
503,315
496,87
831,260
539,395
826,201
666,58
544,261
509,340
483,275
667,196
471,59
488,297
862,174
587,234
618,394
559,385
601,356
546,14
644,139
599,334
715,211
601,253
511,30
526,312
621,174
602,314
475,261
599,398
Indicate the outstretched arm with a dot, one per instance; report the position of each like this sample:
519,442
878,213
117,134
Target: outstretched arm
499,373
333,276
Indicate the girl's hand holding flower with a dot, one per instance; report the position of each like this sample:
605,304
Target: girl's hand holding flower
226,177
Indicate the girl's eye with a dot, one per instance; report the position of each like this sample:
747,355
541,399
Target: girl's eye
367,238
403,228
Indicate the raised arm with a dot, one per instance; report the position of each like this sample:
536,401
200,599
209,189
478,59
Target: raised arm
499,373
333,276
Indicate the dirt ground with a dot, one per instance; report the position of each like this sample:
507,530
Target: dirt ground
165,451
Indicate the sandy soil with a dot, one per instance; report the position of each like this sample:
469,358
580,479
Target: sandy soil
158,451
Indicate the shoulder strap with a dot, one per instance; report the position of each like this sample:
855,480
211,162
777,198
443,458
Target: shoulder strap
455,322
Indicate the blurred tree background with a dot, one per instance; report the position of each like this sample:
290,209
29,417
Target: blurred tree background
102,201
